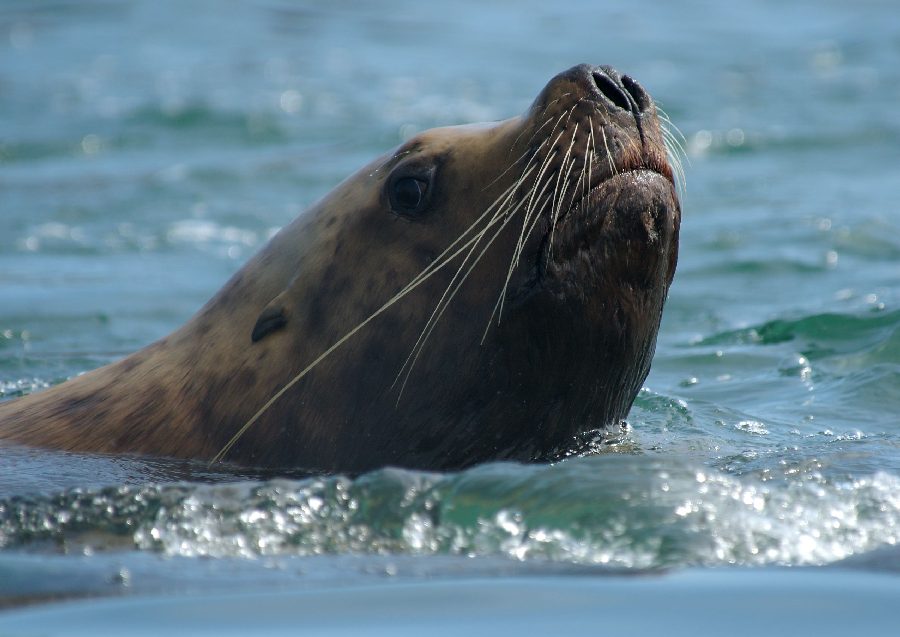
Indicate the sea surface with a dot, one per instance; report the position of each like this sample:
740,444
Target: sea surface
148,148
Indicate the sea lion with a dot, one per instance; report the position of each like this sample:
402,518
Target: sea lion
482,292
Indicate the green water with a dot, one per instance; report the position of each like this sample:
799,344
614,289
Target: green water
147,149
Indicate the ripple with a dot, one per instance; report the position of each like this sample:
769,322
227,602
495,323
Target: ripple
226,240
207,121
21,387
619,511
827,327
717,142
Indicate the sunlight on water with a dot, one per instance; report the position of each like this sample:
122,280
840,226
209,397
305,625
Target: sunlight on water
581,511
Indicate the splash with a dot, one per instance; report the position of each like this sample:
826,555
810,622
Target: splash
617,511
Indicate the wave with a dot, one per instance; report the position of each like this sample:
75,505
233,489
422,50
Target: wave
618,510
837,330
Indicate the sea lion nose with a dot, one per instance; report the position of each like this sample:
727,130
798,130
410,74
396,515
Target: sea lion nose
622,91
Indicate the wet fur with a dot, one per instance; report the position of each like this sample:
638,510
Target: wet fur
519,313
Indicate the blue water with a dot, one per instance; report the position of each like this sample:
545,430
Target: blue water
148,148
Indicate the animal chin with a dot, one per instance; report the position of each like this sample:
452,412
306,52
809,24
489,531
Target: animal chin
590,204
628,206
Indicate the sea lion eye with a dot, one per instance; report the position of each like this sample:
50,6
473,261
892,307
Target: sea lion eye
407,195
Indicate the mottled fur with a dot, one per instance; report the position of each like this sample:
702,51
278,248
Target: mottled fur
518,311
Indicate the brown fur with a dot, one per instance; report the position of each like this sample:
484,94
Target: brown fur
571,351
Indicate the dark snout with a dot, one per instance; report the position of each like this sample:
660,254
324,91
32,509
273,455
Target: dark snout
616,92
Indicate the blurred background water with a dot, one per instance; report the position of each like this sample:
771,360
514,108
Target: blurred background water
148,148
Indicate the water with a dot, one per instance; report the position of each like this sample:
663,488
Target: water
147,149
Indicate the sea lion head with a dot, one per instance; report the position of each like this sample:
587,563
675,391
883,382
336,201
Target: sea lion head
483,291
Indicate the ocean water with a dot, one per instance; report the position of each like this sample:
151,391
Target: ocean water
148,148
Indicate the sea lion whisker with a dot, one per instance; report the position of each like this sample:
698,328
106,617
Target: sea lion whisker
664,116
529,197
436,265
552,102
473,241
547,107
528,151
442,304
548,160
506,196
545,165
559,196
592,149
537,131
510,167
584,191
677,168
497,234
437,312
672,154
444,301
572,110
417,281
675,153
563,171
390,160
533,135
534,217
531,212
438,260
550,134
446,304
498,305
672,134
669,130
612,166
531,229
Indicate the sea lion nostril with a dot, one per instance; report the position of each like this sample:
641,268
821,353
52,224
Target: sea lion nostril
611,90
637,92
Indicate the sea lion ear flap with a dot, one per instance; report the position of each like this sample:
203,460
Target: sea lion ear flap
272,318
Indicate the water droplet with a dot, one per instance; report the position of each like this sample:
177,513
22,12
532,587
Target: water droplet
91,144
291,101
